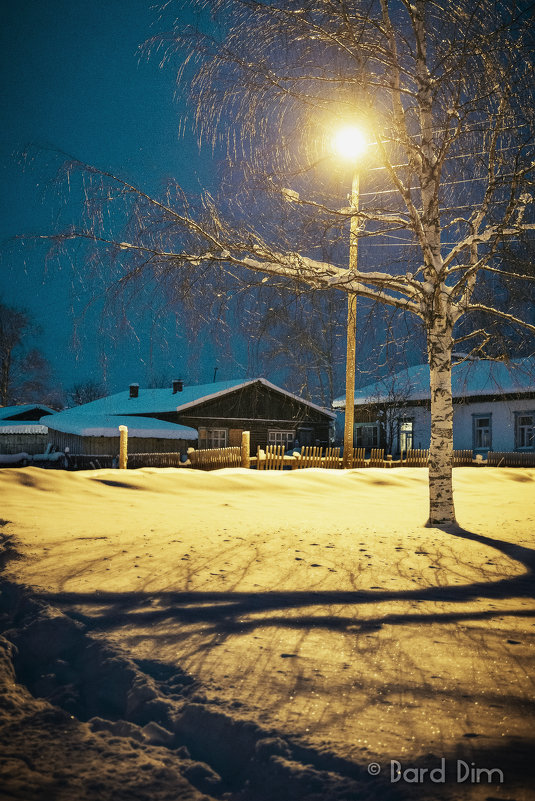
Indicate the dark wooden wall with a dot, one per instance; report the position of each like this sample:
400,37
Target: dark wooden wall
23,443
110,445
257,409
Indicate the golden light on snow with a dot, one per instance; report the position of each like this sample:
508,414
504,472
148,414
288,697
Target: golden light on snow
349,142
313,603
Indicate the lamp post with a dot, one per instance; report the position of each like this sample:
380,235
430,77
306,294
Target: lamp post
350,143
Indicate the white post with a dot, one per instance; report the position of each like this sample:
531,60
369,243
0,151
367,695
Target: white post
123,447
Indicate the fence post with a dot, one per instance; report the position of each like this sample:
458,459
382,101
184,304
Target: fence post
123,447
245,449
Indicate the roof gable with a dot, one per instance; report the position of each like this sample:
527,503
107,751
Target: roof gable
22,411
161,401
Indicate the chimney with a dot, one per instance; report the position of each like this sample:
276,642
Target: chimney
134,390
178,385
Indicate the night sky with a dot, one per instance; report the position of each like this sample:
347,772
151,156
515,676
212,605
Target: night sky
73,79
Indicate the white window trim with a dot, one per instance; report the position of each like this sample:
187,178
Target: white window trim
475,418
222,441
273,437
406,421
518,415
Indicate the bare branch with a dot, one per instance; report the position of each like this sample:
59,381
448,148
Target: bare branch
503,315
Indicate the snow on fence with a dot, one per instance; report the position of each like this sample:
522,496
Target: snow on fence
499,459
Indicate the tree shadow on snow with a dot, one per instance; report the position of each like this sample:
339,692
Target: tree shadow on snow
222,614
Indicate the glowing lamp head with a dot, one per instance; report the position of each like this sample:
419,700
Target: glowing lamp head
349,143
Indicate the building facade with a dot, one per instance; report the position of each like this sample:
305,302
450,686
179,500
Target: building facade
211,415
493,408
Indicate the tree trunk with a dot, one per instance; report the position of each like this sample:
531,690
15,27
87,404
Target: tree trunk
441,507
4,377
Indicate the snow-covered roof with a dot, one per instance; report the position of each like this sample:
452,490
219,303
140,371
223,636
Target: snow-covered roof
158,401
75,421
24,427
8,412
470,378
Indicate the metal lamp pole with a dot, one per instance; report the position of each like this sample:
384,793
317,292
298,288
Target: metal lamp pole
351,329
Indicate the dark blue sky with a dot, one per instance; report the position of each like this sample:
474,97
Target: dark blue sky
73,79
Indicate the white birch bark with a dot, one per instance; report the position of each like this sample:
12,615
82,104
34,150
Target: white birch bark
441,506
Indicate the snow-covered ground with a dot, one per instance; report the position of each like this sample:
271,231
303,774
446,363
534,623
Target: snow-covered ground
181,634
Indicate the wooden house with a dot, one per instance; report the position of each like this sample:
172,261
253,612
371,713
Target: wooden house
23,428
216,413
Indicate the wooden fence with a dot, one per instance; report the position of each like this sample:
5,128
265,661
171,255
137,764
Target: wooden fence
462,458
314,457
416,457
272,458
499,459
358,458
332,460
419,457
87,461
377,457
154,460
215,458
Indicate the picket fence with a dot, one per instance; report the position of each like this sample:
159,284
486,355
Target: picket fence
215,458
313,457
498,459
154,460
275,458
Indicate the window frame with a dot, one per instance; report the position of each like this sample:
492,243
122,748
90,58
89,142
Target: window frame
401,422
475,430
274,434
211,434
358,427
518,415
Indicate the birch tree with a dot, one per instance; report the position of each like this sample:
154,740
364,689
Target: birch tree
445,92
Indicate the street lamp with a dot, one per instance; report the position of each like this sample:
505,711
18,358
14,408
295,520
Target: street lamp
350,143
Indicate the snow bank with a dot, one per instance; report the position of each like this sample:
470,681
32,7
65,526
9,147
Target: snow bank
14,458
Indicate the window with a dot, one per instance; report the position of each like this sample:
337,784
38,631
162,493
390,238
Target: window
216,438
285,438
367,435
482,432
525,431
406,431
